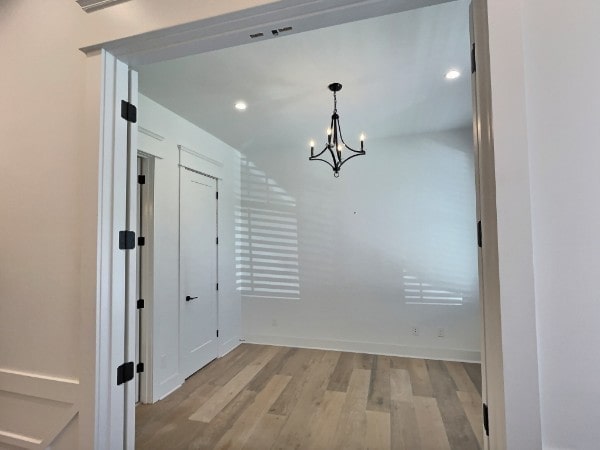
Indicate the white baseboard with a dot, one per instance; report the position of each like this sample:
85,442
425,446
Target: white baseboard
444,354
228,345
167,386
170,392
174,382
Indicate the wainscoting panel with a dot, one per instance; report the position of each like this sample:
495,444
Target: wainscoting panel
36,408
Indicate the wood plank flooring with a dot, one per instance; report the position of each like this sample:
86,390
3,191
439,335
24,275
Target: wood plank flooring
263,397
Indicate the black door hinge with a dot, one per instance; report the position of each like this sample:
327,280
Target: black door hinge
486,423
217,240
141,241
125,373
126,240
139,368
140,303
141,179
217,195
128,112
479,235
217,286
473,60
217,333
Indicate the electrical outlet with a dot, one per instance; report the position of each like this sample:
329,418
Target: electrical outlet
441,333
414,331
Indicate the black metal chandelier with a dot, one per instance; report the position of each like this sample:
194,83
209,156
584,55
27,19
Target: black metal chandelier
335,142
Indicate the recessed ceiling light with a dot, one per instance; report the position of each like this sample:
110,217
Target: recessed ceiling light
452,74
240,106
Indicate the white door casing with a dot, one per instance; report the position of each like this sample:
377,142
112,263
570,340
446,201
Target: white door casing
117,267
198,271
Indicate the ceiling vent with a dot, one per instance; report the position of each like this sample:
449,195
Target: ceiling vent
93,5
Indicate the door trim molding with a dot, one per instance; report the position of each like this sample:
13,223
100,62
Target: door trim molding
185,149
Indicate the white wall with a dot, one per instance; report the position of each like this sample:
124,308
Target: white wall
404,213
513,203
49,200
563,103
546,135
220,161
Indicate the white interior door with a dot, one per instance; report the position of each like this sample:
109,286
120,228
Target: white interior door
489,283
198,271
476,141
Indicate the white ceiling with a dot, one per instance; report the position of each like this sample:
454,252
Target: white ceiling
392,69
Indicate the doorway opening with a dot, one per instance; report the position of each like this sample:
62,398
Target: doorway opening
425,291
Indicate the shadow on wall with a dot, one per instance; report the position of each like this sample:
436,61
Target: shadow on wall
266,237
398,224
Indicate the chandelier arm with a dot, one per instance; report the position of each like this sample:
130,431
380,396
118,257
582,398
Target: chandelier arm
361,152
320,153
348,158
341,137
330,135
325,161
333,158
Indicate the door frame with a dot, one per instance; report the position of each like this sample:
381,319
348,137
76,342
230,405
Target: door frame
112,333
147,279
232,29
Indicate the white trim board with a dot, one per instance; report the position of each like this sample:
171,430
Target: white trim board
235,28
19,440
197,154
151,133
442,354
228,346
170,392
43,386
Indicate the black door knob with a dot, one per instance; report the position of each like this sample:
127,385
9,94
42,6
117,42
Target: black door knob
188,298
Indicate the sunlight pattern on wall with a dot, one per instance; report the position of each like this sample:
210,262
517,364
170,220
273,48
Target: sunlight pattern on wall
416,292
266,238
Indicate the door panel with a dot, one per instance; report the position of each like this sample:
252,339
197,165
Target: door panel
198,271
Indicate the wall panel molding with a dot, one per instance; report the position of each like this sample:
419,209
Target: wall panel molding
19,440
32,388
48,387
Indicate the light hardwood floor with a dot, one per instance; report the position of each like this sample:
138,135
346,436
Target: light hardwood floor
262,397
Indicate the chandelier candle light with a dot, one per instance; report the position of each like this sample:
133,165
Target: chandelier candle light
335,142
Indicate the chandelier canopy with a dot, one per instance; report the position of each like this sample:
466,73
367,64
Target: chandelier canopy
335,145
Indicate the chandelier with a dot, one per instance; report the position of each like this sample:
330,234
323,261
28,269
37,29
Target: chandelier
335,145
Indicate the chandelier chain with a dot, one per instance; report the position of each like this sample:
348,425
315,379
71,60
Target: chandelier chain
334,102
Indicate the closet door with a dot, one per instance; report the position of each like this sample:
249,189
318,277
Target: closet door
198,271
